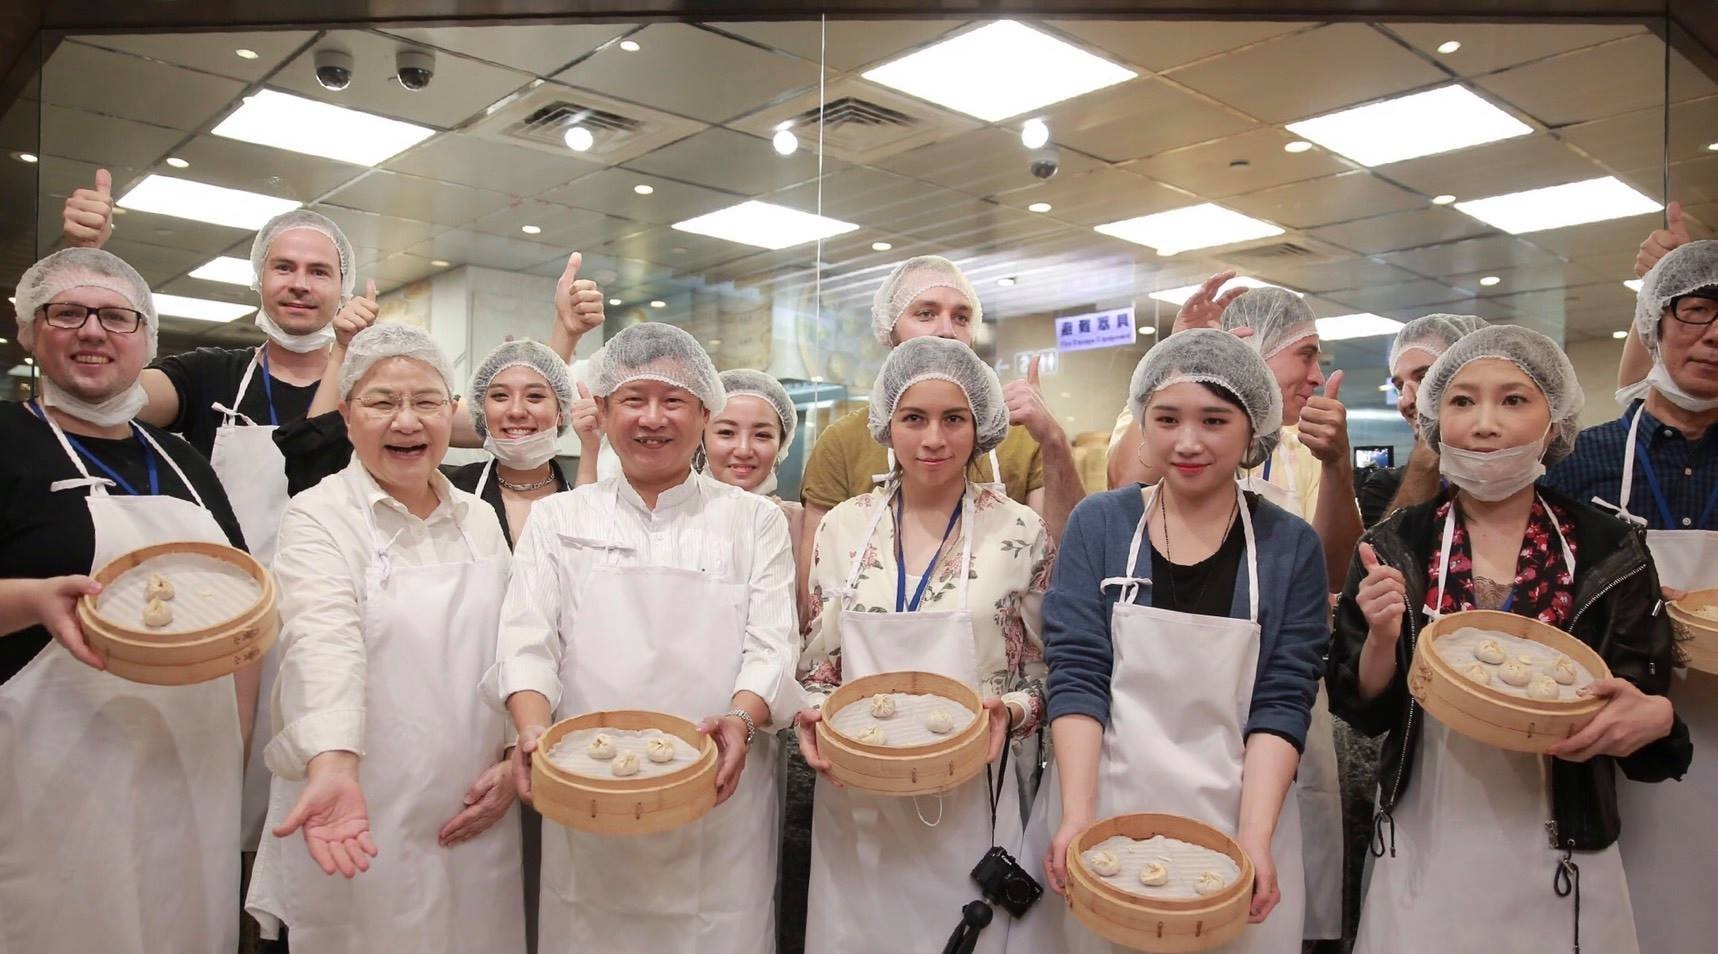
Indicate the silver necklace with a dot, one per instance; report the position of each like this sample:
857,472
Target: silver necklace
526,488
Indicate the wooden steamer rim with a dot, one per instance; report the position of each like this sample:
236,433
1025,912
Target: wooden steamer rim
633,805
929,768
1159,925
1487,714
1697,635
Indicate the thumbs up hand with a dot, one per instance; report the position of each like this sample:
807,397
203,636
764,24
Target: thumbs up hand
1324,425
578,301
584,418
1382,598
87,221
1660,242
356,315
1026,407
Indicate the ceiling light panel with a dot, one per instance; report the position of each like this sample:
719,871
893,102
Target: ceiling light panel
297,124
227,270
1560,206
1179,296
765,225
202,309
1407,127
1197,226
1362,325
200,202
1005,69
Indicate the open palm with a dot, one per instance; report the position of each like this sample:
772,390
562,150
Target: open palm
336,824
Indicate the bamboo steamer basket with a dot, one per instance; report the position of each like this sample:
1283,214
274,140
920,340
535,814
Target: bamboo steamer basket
1166,925
926,769
1697,635
632,805
1489,715
182,657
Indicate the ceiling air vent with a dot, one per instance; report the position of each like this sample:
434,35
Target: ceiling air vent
547,125
1275,252
540,115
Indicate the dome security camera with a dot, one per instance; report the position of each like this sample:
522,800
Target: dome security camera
1044,162
333,68
414,68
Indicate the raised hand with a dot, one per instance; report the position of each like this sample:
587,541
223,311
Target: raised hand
1026,408
356,315
1204,308
87,221
1324,423
1661,241
584,417
1382,598
578,301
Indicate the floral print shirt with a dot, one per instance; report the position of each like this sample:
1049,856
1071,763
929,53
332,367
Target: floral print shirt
1544,582
1012,555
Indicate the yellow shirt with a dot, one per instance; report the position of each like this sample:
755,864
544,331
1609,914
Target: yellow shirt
845,461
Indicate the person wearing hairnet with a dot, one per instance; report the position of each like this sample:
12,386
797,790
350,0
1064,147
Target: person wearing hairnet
120,827
1657,465
391,582
747,440
1464,861
1184,630
1417,345
663,589
932,572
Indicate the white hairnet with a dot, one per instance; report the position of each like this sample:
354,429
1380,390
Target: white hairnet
1686,268
748,381
71,268
303,219
1209,356
908,281
391,340
525,353
1432,334
1538,357
940,359
655,351
1278,317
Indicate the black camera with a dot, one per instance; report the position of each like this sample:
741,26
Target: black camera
1002,881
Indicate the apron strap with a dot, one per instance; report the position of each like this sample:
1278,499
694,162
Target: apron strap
1434,610
1252,556
1130,584
259,357
483,476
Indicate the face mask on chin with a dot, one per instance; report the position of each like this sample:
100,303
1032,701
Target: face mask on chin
297,344
524,453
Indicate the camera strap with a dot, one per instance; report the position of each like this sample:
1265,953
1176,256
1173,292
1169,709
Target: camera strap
993,787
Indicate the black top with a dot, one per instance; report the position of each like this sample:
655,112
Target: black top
44,533
1206,588
209,376
465,478
1374,489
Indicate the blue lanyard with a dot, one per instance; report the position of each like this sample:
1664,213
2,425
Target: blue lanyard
113,475
267,389
901,603
1267,474
1658,492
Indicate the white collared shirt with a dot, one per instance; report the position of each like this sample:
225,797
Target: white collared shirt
702,525
324,548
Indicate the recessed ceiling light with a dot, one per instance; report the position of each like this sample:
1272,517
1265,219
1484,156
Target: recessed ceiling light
1197,226
1490,280
200,202
658,303
614,301
1555,207
1449,46
202,309
1619,335
1039,207
1633,285
227,270
578,138
178,163
1712,147
1034,134
1444,199
1006,68
245,54
644,188
1179,296
1420,124
1005,282
531,229
765,225
714,342
439,263
881,246
785,143
1148,330
1299,145
1362,325
631,46
30,361
280,120
27,157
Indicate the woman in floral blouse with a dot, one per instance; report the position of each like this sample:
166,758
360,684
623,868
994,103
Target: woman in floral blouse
931,573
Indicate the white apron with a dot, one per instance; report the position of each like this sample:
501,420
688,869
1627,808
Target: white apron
668,640
1181,688
890,874
1472,868
429,635
1318,787
1670,829
253,473
119,802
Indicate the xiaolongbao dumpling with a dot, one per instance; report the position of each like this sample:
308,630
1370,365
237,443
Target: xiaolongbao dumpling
1479,673
1155,874
158,588
1208,883
626,763
659,750
1515,673
1104,862
1489,652
871,736
601,747
882,706
939,721
1543,687
1563,670
156,614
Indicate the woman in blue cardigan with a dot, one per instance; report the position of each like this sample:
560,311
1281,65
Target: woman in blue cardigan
1184,631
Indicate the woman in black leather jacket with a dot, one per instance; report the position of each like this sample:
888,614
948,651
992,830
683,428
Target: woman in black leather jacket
1480,848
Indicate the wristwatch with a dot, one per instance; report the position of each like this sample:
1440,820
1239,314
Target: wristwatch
746,717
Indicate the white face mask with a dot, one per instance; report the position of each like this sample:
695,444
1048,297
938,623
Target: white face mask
118,409
524,453
1492,475
297,344
1659,380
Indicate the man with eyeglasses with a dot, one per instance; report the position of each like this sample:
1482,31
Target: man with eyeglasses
1657,466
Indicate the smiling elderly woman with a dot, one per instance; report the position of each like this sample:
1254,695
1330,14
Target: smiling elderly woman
391,582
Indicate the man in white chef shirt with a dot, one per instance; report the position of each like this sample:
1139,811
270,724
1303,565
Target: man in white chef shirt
662,589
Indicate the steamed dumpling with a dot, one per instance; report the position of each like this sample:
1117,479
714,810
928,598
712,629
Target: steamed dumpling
1104,862
1479,673
1208,883
659,750
871,736
939,721
1155,874
1563,670
601,747
626,763
883,706
156,613
1543,687
158,588
1489,652
1515,673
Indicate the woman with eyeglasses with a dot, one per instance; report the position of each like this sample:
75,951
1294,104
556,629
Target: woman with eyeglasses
119,810
386,761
